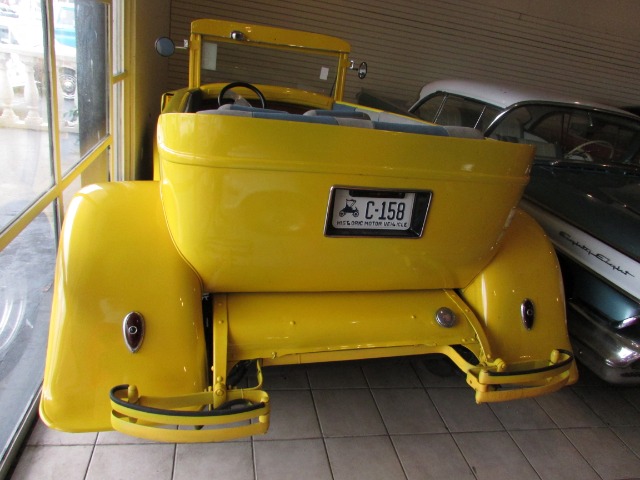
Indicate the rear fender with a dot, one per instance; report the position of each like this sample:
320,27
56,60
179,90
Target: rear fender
116,256
524,268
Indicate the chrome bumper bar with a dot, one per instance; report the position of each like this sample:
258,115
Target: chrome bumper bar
609,353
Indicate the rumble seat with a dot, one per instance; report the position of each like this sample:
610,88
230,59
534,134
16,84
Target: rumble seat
351,117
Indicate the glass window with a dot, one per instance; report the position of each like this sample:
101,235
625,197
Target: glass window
428,110
26,277
25,161
228,62
45,134
448,109
574,134
81,54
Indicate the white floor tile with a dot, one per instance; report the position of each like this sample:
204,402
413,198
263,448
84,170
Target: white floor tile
228,461
494,456
292,460
348,413
293,415
431,457
610,405
363,458
460,411
523,414
408,411
605,452
123,462
553,456
567,410
53,462
43,435
631,438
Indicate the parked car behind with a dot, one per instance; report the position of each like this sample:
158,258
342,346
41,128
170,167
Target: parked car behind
584,190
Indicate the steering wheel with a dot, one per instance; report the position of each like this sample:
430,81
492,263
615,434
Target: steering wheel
229,86
579,150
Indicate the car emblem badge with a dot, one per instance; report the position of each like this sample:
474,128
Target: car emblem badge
528,313
133,331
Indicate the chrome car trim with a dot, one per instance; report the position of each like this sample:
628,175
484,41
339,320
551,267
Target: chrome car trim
527,312
133,330
627,322
590,359
617,350
597,256
505,96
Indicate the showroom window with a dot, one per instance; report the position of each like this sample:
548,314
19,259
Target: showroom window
59,81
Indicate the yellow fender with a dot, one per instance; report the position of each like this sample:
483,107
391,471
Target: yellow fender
524,268
115,257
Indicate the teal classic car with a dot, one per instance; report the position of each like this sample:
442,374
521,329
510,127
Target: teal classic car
585,192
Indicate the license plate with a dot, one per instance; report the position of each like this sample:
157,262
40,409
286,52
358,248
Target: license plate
360,212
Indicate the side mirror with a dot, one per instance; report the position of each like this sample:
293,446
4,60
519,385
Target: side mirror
165,46
362,69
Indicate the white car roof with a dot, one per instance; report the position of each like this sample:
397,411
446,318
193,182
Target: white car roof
503,96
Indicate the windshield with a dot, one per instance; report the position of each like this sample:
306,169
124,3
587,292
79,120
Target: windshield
233,62
562,132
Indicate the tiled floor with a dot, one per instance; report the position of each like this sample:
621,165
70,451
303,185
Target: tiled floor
401,418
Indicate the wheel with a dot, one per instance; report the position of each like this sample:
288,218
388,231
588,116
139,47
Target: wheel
228,87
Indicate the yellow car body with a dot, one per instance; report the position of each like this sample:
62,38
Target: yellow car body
282,236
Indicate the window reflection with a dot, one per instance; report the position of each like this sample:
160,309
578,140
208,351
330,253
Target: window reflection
92,74
82,77
26,277
25,161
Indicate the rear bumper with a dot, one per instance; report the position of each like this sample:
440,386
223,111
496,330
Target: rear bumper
245,412
197,417
499,382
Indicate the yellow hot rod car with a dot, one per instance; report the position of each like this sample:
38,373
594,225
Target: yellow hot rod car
288,226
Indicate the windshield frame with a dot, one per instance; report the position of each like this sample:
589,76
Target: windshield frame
221,31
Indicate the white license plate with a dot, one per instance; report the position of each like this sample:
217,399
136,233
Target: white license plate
375,213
